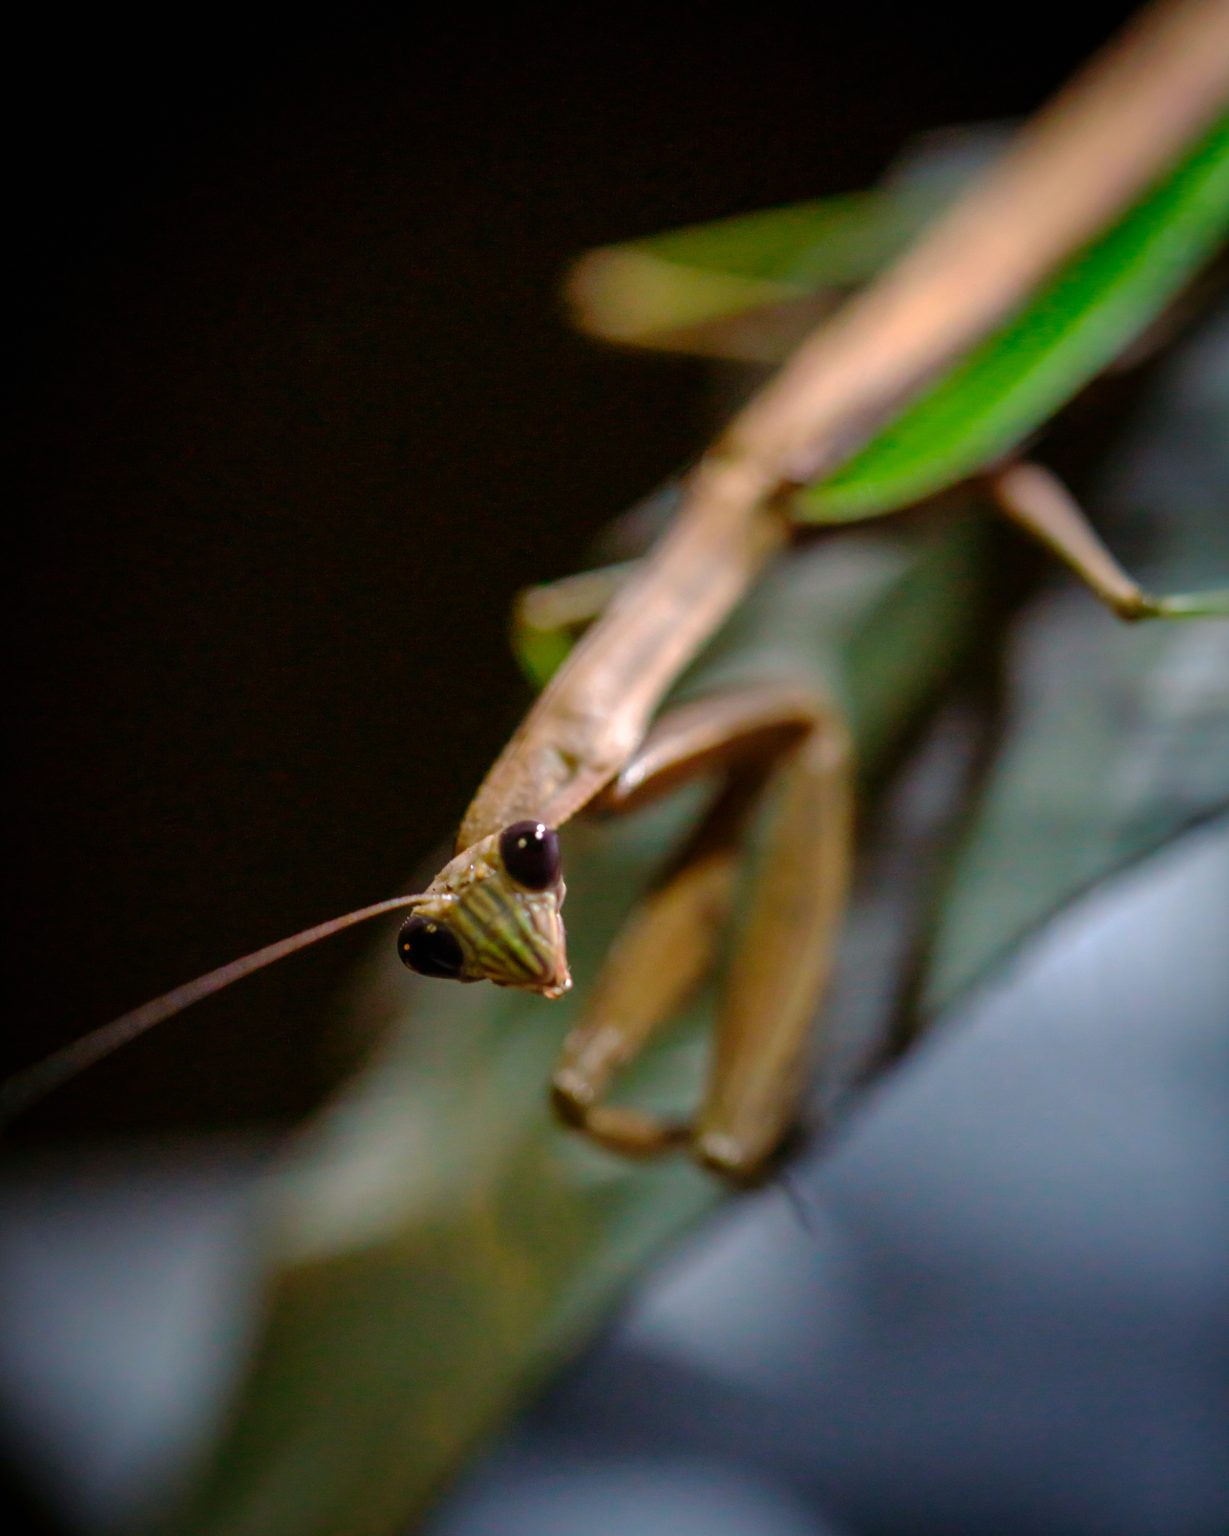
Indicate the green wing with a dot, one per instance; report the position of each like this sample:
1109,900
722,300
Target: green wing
1099,303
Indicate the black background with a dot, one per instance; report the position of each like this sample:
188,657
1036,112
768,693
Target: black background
297,411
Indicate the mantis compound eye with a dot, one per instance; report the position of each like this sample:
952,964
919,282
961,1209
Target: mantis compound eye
429,948
530,853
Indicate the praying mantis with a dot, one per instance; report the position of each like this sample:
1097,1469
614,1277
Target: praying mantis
1145,121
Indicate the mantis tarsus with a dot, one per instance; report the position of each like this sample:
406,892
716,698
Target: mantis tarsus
592,740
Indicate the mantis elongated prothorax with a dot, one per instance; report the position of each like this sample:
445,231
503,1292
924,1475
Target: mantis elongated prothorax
594,736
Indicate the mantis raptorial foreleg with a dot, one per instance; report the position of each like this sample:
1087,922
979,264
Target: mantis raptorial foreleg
776,734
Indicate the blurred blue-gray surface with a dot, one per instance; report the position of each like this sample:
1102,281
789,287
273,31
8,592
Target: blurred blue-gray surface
1008,1308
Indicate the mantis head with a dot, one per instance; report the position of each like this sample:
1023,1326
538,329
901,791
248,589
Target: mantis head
492,914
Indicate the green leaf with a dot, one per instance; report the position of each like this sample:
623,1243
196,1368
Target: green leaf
993,398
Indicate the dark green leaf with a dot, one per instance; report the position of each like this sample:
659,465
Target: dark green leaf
1118,737
437,1241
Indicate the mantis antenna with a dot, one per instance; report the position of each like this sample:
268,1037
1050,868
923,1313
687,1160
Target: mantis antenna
24,1089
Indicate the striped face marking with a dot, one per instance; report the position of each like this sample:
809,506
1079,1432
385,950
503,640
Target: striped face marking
493,913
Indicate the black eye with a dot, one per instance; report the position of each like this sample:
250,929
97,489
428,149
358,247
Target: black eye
530,851
429,948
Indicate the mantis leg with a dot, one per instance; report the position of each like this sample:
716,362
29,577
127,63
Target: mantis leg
1038,502
546,619
670,942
